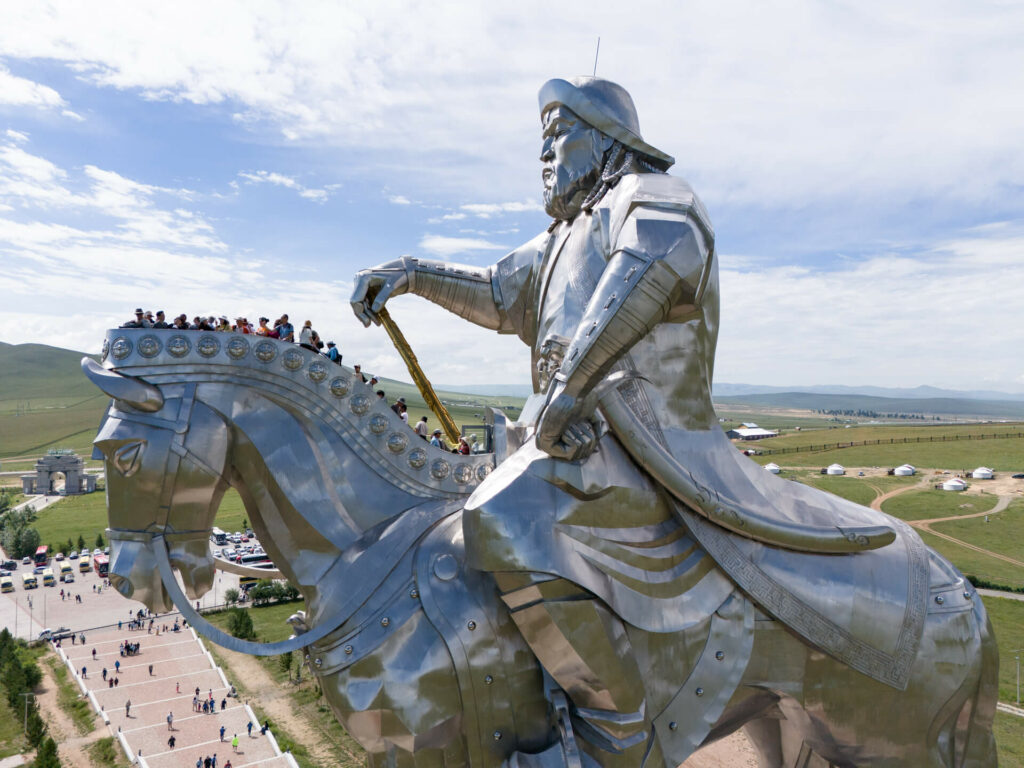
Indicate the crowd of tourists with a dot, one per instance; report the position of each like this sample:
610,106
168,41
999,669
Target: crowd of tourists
281,329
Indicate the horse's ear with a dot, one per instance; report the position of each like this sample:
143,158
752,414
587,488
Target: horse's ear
128,389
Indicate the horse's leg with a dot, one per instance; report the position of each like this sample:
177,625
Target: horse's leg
586,650
765,736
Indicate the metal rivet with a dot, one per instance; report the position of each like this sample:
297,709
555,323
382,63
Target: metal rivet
446,567
673,725
414,593
385,621
940,599
488,679
471,625
349,649
719,655
318,662
967,594
699,691
497,735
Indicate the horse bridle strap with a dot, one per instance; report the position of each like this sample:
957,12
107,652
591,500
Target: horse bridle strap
384,552
206,629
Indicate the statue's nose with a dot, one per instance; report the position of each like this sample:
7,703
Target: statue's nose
547,152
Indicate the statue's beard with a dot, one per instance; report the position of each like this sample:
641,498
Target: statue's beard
564,196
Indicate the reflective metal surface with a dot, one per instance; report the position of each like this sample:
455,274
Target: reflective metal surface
623,587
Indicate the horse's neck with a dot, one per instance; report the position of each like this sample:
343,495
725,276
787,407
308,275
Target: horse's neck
309,494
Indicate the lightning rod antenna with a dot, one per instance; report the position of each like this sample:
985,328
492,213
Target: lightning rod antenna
596,54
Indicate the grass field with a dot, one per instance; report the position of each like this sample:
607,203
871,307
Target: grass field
86,515
74,706
975,563
861,490
1005,454
12,739
926,504
1003,533
1007,618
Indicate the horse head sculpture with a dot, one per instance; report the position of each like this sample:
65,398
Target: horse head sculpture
164,479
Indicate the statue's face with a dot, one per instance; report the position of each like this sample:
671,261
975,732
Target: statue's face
572,154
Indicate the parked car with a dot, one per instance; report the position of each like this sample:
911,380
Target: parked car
4,573
97,551
55,634
59,556
73,555
38,569
68,578
26,560
1018,476
10,565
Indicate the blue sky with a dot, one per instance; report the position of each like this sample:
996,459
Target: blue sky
861,163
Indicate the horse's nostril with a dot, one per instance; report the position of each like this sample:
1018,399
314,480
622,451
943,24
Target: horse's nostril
122,585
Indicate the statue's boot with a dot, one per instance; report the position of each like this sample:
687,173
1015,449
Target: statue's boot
585,650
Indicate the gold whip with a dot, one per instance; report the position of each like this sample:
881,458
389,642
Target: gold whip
419,379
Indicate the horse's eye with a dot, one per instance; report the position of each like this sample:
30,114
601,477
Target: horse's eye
128,457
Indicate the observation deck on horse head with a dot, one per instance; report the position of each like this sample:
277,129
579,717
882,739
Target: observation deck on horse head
298,377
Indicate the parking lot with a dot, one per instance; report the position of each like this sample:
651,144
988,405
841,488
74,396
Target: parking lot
27,612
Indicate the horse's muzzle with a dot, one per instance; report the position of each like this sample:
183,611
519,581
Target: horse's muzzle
134,573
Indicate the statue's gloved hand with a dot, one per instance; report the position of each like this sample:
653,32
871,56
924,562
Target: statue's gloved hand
375,286
565,430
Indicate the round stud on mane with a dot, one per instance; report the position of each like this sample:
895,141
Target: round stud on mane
298,379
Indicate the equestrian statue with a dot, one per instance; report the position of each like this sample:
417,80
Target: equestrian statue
614,584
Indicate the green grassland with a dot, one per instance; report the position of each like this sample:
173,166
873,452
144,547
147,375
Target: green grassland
87,515
1002,533
861,490
1007,617
975,563
926,504
1004,454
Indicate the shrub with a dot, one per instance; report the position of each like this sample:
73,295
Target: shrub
231,596
47,757
240,624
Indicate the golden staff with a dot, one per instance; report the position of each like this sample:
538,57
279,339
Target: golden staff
429,395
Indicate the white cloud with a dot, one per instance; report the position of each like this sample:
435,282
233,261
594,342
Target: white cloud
17,91
17,136
892,319
449,246
487,210
73,115
399,200
759,106
288,182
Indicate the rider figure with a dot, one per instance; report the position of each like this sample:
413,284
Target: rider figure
625,281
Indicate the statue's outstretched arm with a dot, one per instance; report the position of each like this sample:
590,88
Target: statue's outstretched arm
465,290
657,271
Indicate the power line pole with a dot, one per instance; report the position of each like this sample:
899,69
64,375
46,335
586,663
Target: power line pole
25,696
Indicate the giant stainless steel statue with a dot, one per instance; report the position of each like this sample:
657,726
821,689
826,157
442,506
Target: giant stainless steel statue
616,585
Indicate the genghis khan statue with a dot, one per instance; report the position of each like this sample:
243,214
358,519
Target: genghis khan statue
625,521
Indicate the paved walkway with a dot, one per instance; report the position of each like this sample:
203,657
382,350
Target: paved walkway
161,679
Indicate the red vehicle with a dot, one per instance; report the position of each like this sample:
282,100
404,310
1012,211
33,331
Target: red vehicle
101,564
42,555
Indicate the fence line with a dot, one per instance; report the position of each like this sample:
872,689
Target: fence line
890,441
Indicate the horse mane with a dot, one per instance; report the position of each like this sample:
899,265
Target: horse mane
308,384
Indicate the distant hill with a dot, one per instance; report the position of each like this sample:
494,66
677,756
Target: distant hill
916,393
491,390
38,372
46,401
935,406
